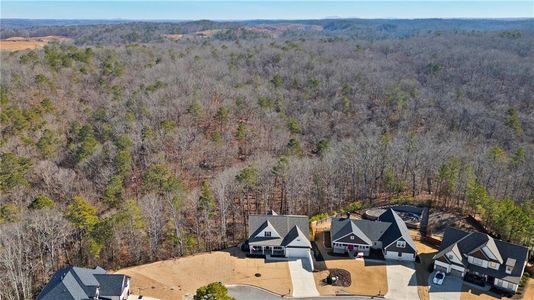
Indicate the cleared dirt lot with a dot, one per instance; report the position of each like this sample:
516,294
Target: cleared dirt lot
179,278
368,278
529,290
20,43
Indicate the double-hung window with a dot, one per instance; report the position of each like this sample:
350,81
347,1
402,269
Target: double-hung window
401,244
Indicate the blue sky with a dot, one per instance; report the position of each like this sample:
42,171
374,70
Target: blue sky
261,9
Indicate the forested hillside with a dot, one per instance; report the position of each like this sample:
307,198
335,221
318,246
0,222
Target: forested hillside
125,153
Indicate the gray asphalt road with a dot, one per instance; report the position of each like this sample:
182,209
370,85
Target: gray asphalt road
243,292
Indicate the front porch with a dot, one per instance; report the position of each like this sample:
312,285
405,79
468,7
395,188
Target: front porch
351,249
268,250
479,279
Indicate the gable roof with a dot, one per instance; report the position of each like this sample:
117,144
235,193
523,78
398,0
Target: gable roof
373,229
397,230
366,231
295,234
389,228
82,283
490,244
283,224
465,243
347,227
111,284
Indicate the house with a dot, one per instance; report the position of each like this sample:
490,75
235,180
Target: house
497,262
74,283
279,235
388,234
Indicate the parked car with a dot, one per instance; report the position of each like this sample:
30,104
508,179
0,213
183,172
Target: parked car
438,278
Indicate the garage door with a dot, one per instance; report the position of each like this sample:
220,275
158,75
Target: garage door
457,273
297,252
440,268
399,256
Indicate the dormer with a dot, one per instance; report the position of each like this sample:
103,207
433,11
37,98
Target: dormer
510,264
491,251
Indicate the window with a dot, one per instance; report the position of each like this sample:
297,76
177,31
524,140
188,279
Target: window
477,261
509,269
401,244
267,233
351,237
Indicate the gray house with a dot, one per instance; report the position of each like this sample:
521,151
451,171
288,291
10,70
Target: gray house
74,283
279,235
497,262
389,234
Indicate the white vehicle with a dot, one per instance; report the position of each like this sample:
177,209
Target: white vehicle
438,278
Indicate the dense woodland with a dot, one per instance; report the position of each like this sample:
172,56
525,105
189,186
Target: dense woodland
129,152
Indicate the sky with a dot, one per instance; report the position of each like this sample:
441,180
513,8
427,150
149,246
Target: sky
261,9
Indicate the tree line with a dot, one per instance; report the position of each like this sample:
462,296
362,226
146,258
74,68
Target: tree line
123,154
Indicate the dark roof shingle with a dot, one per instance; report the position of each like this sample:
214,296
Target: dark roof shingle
468,242
283,224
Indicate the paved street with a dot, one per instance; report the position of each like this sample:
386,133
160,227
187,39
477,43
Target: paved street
242,292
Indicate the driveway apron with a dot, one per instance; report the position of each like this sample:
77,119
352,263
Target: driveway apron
402,283
302,278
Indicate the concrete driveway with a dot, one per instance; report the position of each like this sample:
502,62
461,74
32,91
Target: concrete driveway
302,278
402,283
451,289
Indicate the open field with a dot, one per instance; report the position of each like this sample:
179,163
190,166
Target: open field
20,43
179,278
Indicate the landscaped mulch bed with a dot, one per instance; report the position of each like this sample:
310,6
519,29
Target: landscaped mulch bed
343,277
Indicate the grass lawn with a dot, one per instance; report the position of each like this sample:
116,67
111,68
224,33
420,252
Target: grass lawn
179,278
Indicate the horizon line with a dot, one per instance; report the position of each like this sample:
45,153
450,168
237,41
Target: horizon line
274,19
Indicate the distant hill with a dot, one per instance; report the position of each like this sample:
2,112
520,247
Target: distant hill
132,31
26,23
